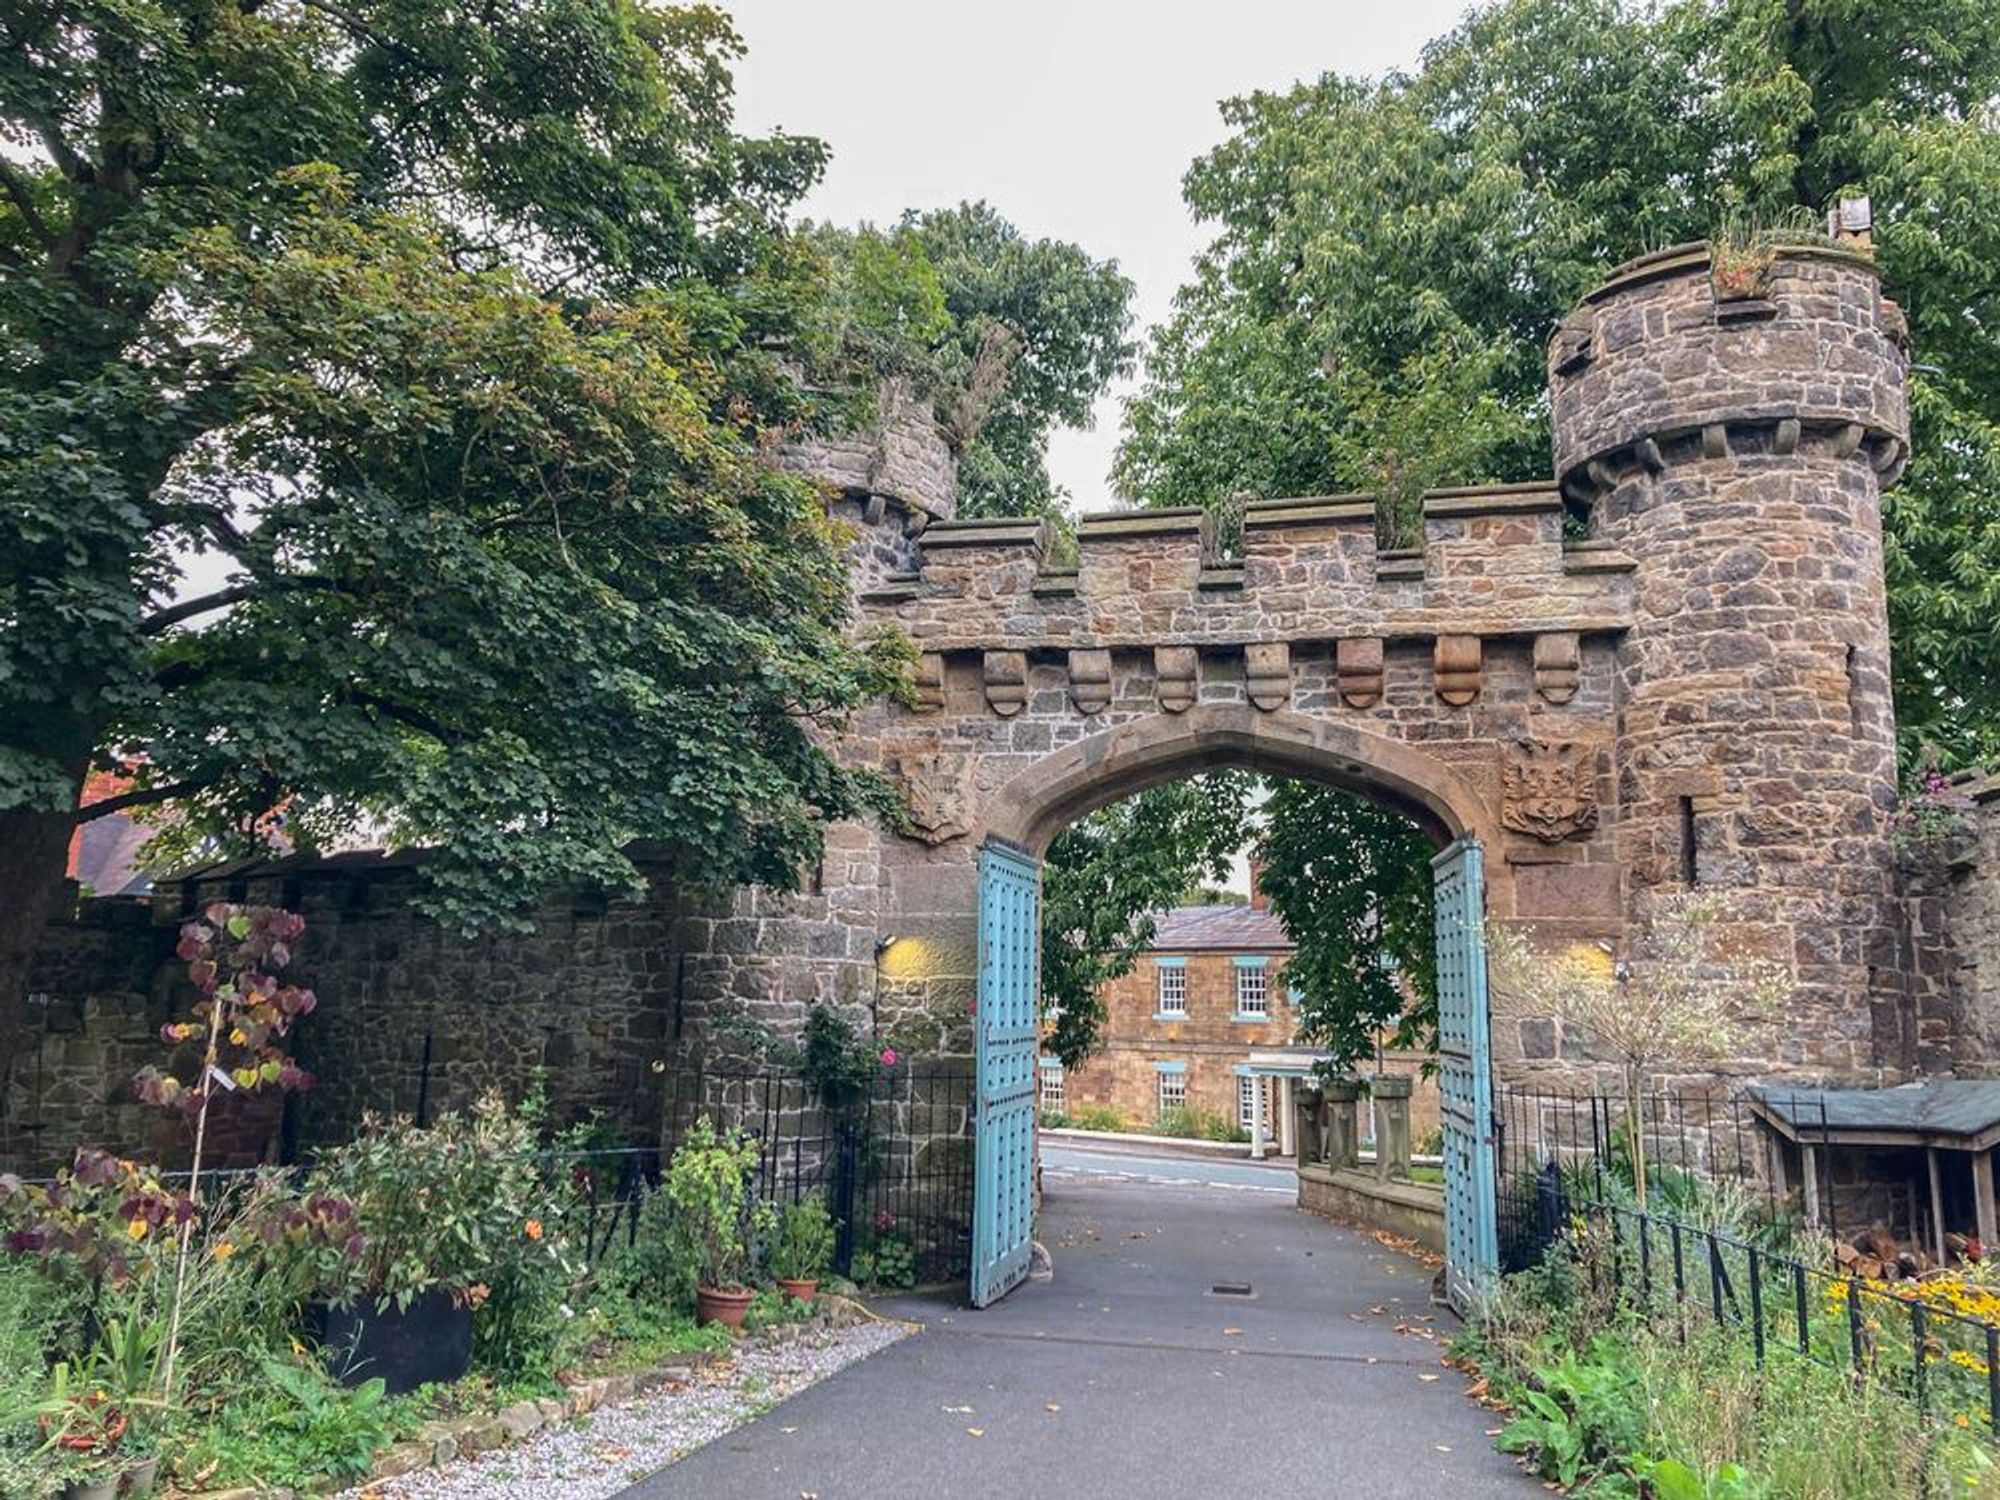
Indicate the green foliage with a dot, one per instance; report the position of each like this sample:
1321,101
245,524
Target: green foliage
28,1329
1008,337
1107,877
656,1269
1098,1117
802,1248
1352,883
708,1187
1664,1407
1188,1123
1070,315
839,1062
454,1204
453,337
294,1427
889,1261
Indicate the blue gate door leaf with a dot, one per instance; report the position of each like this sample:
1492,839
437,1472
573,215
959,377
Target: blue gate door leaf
1007,1050
1465,1082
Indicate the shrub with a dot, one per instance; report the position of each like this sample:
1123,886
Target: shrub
708,1189
802,1249
1186,1122
1098,1117
293,1427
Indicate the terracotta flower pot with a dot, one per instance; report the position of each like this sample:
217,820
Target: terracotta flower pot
724,1305
805,1291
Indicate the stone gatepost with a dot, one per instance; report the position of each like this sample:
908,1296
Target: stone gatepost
1390,1093
1343,1136
1307,1101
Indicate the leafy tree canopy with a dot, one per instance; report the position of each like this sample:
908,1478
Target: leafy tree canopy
1389,252
1012,337
445,334
1365,966
1107,878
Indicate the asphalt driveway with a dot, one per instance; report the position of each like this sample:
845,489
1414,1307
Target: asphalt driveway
1129,1375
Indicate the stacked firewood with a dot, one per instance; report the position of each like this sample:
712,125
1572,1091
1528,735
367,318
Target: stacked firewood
1877,1255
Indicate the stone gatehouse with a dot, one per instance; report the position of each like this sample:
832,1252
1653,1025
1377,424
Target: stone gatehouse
1665,667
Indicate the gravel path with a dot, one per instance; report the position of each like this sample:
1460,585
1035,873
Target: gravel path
598,1455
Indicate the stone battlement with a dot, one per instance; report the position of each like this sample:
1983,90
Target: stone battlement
1494,563
1668,365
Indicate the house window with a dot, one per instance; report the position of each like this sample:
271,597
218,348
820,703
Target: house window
1251,997
1173,989
1052,1088
1173,1090
1246,1101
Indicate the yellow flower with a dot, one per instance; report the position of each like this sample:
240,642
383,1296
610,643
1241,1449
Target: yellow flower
223,1249
138,1229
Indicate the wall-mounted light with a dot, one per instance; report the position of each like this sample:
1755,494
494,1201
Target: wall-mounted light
884,943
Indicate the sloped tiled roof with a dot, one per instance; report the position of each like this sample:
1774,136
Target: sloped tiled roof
1190,929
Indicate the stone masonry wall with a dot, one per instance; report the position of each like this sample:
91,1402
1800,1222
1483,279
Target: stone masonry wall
411,1016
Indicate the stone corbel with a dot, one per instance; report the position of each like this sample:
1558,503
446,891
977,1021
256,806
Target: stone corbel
1455,668
1267,674
1358,669
1006,674
1558,665
930,682
1090,681
1177,677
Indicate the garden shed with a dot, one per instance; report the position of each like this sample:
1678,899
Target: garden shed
1919,1156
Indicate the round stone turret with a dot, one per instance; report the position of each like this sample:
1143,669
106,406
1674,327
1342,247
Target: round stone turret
1732,426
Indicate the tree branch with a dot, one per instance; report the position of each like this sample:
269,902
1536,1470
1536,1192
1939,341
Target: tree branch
23,200
142,798
187,609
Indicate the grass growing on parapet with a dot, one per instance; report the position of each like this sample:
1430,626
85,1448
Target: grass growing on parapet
1600,1401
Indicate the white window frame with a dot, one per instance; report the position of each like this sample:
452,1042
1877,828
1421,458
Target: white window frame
1246,1101
1253,991
1171,1088
1170,992
1049,1090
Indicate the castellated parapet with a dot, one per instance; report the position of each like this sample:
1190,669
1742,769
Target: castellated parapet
1737,450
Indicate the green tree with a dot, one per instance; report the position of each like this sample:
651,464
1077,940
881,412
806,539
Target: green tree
1107,878
1072,316
1378,241
446,333
1352,884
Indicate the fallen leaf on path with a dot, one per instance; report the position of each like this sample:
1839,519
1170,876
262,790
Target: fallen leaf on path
1230,1333
1052,1406
1427,1377
977,1431
956,1408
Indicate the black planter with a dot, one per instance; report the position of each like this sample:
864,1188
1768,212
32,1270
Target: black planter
430,1340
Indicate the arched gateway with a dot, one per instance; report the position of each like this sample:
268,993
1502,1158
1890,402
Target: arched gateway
1668,666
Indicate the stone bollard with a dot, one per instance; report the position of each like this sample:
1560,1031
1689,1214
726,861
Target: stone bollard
1307,1102
1343,1137
1391,1093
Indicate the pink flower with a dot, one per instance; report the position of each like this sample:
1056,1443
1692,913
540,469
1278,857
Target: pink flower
888,1057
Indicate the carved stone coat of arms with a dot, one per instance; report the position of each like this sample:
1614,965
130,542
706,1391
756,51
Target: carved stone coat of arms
1550,789
934,786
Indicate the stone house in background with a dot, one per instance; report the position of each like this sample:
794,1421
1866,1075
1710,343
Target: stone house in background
1204,1021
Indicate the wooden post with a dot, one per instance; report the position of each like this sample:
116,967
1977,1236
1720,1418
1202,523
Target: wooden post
1982,1197
1810,1156
1937,1203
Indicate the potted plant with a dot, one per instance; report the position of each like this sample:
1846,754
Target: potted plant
708,1189
802,1249
407,1228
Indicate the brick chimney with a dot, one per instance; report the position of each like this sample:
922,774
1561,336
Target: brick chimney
1258,900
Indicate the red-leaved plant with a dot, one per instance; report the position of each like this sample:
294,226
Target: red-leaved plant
244,1011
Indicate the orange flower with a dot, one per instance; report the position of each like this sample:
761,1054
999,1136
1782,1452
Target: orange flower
534,1228
223,1249
475,1296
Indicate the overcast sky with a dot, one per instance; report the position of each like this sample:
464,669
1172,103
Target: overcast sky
1076,120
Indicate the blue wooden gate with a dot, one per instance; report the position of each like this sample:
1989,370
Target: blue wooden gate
1465,1078
1003,1215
